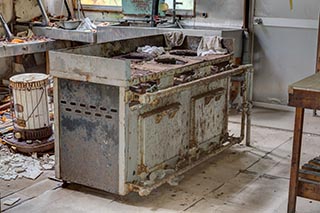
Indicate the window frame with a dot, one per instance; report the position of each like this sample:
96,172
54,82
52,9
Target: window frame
118,9
100,8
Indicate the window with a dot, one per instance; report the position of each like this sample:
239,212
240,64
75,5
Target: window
132,6
186,4
104,5
102,2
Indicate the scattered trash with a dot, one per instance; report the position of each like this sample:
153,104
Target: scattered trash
86,24
175,181
156,51
11,201
211,45
174,39
15,165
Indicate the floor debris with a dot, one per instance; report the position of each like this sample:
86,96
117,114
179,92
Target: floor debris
11,201
15,165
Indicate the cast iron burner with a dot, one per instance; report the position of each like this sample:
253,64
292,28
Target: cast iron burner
169,60
189,53
136,57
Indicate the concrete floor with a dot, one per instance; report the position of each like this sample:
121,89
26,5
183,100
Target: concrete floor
241,179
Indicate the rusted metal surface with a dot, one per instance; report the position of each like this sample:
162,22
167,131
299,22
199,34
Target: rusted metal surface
138,72
175,116
66,35
36,46
112,33
89,126
206,122
30,146
146,190
33,134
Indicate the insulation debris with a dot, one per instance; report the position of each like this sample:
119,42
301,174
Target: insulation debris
152,50
11,201
211,45
14,165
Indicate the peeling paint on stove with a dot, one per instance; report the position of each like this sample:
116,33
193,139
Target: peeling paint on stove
175,114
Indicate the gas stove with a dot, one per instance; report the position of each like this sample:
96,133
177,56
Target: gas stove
137,113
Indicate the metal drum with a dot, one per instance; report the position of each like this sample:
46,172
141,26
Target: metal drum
30,98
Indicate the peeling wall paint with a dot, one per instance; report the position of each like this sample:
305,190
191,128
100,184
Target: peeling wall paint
27,9
5,67
6,8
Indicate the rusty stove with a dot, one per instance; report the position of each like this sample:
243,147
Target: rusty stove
132,121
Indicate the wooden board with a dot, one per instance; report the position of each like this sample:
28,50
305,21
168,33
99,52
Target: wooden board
309,180
309,189
310,83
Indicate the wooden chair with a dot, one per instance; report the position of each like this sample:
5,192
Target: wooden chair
304,94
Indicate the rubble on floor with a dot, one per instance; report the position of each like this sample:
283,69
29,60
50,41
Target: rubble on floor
11,201
15,165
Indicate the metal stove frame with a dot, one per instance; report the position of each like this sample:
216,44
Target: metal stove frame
113,137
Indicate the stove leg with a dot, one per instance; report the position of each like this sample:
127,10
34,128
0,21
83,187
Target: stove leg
64,184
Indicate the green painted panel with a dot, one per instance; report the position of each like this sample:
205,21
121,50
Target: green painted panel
137,7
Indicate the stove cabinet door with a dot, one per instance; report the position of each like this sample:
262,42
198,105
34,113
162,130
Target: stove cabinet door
209,120
162,135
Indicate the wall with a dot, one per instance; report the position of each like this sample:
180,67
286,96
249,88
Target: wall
25,10
57,7
221,13
7,12
283,53
285,47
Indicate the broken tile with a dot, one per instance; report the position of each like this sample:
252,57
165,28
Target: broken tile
32,174
11,201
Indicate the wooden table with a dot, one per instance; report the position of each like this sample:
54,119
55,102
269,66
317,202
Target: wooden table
304,94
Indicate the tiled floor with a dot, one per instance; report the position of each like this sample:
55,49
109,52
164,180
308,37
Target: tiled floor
241,179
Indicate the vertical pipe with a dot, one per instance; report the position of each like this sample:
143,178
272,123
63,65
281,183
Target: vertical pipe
251,29
68,10
78,7
174,13
243,113
249,105
45,18
155,12
246,13
5,26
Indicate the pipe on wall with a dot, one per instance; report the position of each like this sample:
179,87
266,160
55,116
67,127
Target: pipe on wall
155,12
